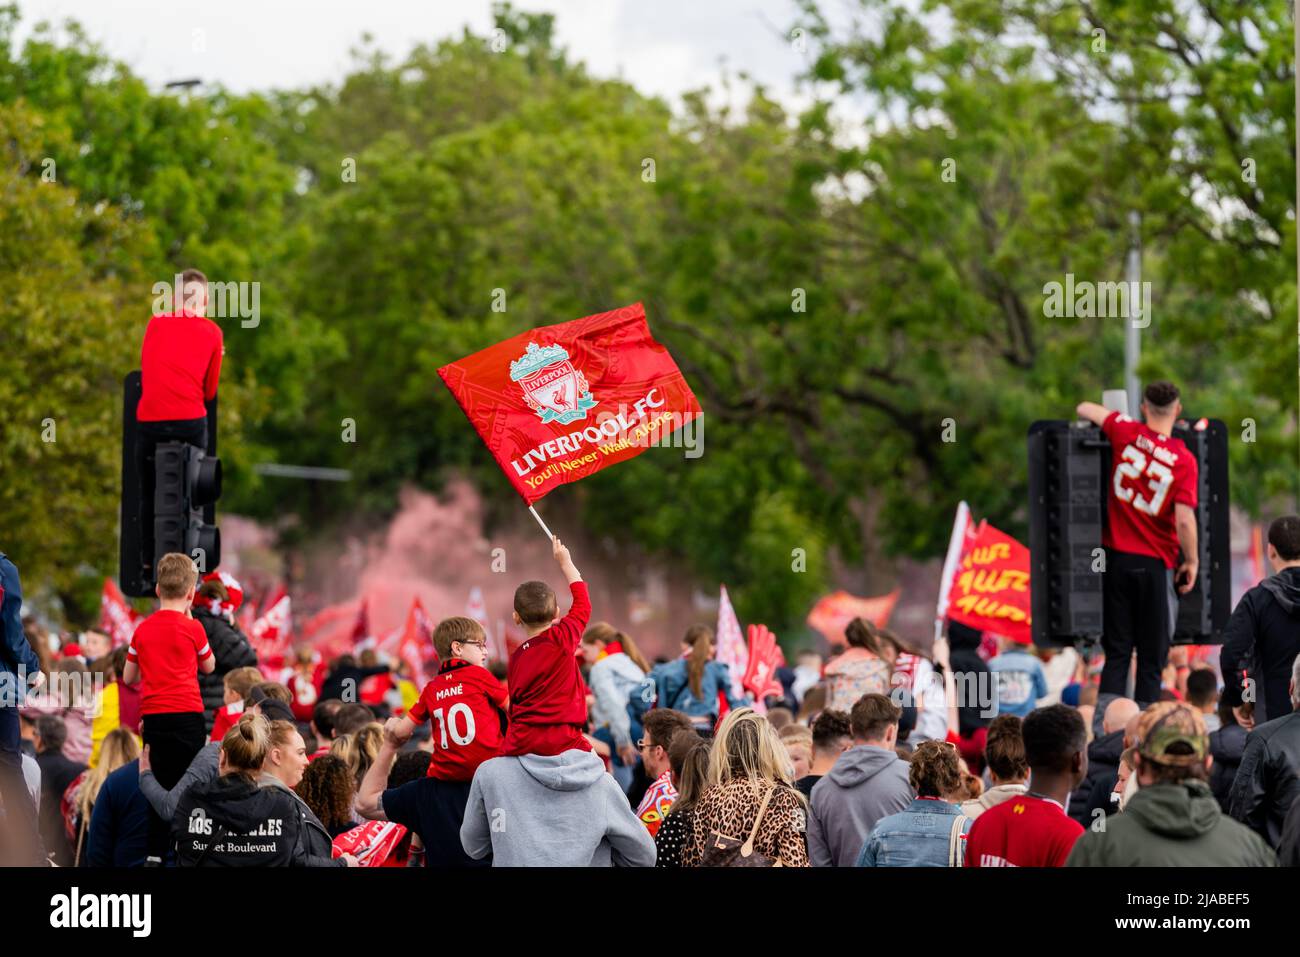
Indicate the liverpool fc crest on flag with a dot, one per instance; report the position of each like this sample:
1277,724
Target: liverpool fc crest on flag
553,388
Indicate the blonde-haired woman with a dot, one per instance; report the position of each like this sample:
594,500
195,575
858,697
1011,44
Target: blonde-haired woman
118,748
749,792
232,822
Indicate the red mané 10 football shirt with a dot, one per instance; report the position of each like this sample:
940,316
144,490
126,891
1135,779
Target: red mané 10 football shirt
167,647
1150,473
467,707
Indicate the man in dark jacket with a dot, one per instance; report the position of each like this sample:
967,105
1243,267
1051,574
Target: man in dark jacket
1262,638
57,772
970,671
1173,819
1103,762
119,825
1227,745
1268,779
228,644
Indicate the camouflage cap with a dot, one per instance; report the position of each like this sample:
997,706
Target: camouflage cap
1173,733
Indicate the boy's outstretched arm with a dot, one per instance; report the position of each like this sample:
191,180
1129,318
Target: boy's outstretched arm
570,628
571,573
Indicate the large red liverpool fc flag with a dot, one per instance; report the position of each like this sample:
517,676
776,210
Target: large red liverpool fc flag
560,402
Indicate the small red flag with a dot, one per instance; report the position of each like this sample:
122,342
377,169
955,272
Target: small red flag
416,646
117,619
361,630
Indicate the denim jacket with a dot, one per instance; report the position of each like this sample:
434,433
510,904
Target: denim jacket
917,836
673,690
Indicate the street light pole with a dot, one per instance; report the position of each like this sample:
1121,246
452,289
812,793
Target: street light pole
1132,331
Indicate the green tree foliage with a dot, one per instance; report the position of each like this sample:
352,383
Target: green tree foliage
858,304
64,356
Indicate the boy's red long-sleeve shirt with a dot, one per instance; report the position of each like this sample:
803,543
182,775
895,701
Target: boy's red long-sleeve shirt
548,700
180,365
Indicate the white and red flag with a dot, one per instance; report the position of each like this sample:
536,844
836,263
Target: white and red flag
371,843
272,633
731,649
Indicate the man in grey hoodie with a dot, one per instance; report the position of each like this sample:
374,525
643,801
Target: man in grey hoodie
869,781
557,811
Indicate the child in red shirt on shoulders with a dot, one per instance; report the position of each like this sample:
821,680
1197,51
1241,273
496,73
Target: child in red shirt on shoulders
466,704
167,651
237,684
548,701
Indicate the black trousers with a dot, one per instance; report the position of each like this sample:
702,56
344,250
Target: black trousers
147,437
173,740
1140,608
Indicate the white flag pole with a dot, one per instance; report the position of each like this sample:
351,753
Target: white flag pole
541,523
959,524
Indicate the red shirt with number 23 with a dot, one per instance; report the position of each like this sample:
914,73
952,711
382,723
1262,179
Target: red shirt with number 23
1150,473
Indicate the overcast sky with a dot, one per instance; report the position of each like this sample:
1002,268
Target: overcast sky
662,47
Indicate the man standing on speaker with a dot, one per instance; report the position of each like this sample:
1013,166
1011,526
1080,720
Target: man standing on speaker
180,363
1150,516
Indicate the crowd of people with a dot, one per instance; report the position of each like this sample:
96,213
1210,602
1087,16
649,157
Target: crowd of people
178,750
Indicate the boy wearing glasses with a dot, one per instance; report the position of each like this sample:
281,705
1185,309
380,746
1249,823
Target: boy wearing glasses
465,703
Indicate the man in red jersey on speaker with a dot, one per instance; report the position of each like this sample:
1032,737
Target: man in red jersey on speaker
1150,518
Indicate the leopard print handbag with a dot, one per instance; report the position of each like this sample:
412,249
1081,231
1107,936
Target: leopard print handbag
722,850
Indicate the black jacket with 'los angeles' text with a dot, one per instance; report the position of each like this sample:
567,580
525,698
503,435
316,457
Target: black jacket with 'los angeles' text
231,822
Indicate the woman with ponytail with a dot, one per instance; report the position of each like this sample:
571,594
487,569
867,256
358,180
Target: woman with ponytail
617,678
863,668
232,821
694,683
